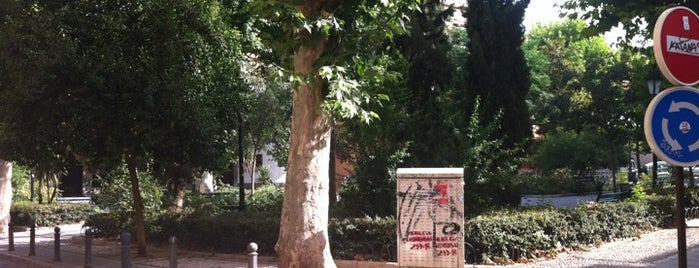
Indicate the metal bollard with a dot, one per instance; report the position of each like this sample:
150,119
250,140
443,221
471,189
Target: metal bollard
10,237
125,250
252,255
57,244
32,238
173,252
88,248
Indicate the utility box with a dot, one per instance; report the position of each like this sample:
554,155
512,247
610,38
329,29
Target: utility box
430,209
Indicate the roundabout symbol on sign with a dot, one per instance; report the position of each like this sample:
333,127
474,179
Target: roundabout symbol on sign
668,126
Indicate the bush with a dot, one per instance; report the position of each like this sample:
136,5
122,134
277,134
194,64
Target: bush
557,183
496,193
21,181
662,202
505,234
211,203
50,214
371,238
115,192
225,232
267,198
111,224
515,234
207,222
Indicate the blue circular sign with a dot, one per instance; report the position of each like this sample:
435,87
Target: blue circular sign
671,126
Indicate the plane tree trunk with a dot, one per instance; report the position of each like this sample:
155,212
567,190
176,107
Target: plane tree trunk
303,237
5,193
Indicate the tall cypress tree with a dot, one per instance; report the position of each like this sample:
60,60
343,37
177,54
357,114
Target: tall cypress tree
498,71
432,112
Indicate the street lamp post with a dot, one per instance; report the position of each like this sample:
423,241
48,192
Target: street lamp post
654,82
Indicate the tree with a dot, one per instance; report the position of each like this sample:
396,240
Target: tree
326,38
637,18
432,105
587,97
582,77
497,67
267,109
5,194
422,125
133,86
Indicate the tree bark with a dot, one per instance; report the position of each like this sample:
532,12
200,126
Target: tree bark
332,170
303,236
40,188
139,218
177,189
252,174
5,193
54,187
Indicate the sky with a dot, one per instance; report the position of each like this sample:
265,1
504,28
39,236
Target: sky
545,12
538,11
542,11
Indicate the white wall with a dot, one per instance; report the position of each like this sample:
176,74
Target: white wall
277,173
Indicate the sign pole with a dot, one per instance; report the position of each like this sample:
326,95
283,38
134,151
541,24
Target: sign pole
669,130
681,225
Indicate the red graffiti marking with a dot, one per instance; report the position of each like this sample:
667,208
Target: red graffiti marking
445,238
420,246
446,245
419,233
442,188
420,239
446,252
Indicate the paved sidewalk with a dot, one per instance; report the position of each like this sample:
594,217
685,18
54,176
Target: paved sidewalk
672,262
692,252
106,254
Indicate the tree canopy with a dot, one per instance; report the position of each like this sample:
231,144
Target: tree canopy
637,18
496,34
138,84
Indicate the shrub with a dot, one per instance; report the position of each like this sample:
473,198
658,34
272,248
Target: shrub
211,203
557,183
115,192
111,224
514,234
372,238
267,198
225,232
508,234
207,223
20,182
50,214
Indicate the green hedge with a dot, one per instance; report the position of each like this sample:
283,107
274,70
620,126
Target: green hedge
497,235
225,232
508,234
521,234
369,238
46,215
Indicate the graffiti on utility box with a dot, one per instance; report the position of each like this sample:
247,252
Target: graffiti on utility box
430,217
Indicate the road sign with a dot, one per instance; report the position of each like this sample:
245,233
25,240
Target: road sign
676,45
671,125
